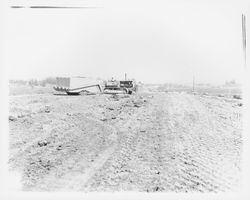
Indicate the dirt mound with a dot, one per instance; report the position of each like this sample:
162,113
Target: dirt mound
147,142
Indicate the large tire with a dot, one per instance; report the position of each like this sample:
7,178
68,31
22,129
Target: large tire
126,90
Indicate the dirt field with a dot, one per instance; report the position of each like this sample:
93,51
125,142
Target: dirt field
147,142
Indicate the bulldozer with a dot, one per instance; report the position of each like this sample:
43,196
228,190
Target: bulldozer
115,87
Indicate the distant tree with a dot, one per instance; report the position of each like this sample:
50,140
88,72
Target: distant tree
19,82
50,80
232,82
42,83
33,82
30,83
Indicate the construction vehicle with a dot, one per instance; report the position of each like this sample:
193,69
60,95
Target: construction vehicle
76,85
115,87
128,86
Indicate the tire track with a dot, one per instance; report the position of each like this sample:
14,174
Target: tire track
204,147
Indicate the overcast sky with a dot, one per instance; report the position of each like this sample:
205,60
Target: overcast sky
153,41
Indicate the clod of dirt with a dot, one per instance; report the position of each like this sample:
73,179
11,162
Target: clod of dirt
47,110
20,115
172,157
59,148
125,96
137,106
46,164
43,143
12,118
221,95
127,105
115,97
237,96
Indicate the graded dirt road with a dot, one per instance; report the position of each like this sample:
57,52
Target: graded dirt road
148,142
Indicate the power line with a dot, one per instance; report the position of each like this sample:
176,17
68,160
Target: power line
193,84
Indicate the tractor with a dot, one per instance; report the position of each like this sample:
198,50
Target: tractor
115,87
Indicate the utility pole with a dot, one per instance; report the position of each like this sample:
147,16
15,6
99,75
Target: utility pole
244,39
125,76
193,84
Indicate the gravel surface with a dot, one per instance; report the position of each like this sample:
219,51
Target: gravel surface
148,142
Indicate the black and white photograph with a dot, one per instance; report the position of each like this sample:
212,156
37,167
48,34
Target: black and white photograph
137,99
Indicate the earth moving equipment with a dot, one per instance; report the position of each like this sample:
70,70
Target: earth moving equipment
128,86
116,87
76,85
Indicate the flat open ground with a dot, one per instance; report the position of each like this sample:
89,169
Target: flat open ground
153,141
